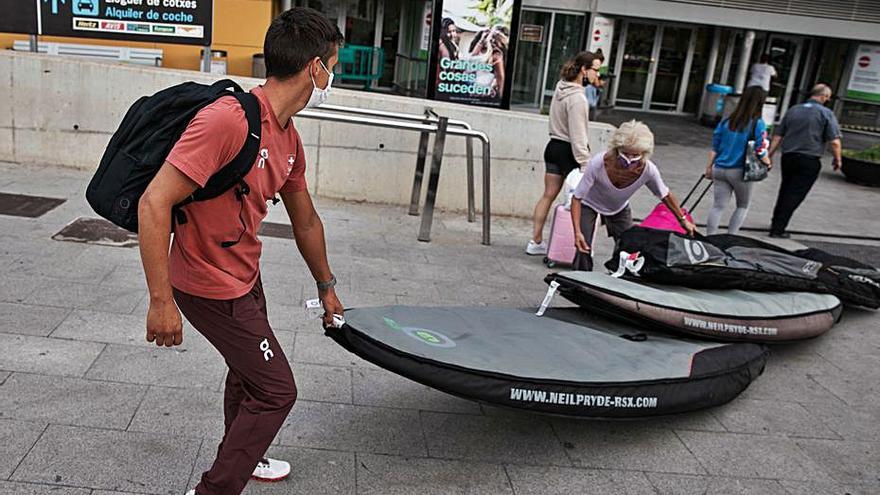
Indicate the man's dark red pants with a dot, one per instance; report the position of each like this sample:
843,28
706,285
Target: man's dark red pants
260,389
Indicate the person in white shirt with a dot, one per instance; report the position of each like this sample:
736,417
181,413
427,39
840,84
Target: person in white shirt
761,73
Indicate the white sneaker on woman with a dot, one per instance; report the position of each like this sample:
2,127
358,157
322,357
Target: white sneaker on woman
534,249
271,470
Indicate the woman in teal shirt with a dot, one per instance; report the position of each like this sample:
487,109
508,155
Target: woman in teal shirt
727,158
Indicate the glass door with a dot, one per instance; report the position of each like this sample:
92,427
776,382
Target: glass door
785,53
531,50
670,67
636,64
566,42
781,51
546,41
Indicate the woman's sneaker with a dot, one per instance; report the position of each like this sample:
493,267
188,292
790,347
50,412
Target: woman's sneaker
534,249
271,470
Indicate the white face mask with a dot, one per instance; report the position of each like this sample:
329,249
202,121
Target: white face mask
626,161
319,96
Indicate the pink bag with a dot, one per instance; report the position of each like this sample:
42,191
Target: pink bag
561,249
661,218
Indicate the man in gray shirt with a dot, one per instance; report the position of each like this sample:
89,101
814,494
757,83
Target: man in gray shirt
803,133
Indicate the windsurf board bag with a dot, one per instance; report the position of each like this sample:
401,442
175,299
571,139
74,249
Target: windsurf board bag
726,261
662,218
144,139
728,314
561,249
566,362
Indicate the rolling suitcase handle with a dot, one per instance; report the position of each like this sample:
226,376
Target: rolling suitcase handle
700,198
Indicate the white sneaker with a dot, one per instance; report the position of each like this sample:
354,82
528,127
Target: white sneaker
534,249
271,470
191,492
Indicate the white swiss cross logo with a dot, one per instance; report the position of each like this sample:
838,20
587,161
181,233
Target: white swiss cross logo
290,161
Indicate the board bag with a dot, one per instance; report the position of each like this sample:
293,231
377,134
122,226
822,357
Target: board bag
144,139
727,261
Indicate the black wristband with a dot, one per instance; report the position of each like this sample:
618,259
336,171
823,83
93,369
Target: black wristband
328,284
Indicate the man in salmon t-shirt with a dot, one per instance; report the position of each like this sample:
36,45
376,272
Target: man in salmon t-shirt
212,272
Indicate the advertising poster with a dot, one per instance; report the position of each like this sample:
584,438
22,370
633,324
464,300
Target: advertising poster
18,16
159,21
864,84
473,51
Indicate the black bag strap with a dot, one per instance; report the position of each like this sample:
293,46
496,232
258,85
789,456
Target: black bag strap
243,161
227,84
751,136
248,153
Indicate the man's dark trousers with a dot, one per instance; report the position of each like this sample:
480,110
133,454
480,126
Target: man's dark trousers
799,173
260,390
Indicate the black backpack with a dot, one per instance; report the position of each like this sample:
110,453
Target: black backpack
146,136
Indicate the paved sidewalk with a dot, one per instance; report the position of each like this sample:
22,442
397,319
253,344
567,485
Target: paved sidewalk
87,406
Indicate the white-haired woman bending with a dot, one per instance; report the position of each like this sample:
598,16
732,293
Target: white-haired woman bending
611,178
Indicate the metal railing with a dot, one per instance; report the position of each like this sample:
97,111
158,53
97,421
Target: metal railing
427,124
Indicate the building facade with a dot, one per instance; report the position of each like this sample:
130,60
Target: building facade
659,54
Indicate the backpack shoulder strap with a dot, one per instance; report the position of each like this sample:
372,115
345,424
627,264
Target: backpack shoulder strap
233,172
244,160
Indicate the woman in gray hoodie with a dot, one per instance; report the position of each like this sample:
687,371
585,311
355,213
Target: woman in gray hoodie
569,141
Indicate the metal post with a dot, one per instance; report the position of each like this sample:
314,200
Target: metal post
472,208
711,64
377,41
206,58
618,62
34,46
486,187
792,75
728,58
433,180
420,172
543,78
686,72
742,70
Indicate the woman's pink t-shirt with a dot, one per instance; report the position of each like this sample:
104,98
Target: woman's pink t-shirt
198,264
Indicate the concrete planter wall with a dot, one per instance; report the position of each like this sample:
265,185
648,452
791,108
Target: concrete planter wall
62,111
861,171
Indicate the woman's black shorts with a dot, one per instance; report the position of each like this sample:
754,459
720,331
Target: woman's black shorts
558,158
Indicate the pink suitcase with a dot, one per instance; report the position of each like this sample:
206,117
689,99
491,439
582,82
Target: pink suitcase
560,249
661,218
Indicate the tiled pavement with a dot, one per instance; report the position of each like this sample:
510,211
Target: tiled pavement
86,406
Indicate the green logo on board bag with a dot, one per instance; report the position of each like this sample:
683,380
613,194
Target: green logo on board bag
430,337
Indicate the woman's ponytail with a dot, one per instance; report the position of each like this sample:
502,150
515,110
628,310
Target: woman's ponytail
571,69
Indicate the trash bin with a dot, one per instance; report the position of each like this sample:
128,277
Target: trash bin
218,61
713,103
258,67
